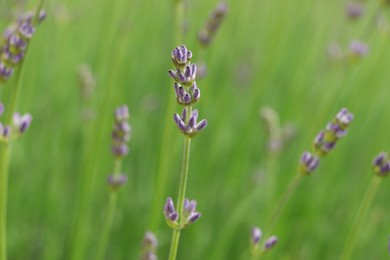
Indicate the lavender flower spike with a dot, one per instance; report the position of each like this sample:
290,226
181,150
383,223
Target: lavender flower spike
116,182
149,246
354,10
381,164
121,132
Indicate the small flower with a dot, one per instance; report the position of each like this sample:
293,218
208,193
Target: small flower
358,49
21,122
181,56
191,128
187,98
309,163
354,10
171,215
116,182
186,77
256,235
5,72
207,34
270,243
189,212
149,246
381,164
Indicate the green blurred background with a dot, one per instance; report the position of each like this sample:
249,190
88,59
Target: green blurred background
267,53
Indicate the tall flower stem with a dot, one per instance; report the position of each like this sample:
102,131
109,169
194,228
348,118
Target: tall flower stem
180,201
109,217
5,153
359,217
163,160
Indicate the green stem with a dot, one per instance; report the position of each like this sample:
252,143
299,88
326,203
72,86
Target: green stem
180,201
109,215
365,204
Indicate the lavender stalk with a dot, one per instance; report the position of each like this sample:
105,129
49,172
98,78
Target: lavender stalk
120,138
187,94
381,165
13,49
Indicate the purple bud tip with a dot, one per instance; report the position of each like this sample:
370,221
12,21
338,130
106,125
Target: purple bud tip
115,182
271,242
309,163
193,217
256,234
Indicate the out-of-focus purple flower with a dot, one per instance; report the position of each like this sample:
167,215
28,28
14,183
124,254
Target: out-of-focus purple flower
149,246
358,49
170,212
208,32
116,181
121,132
381,164
354,10
21,122
256,235
308,163
189,212
270,243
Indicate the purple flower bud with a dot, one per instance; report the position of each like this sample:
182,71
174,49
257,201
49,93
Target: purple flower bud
256,234
344,118
5,72
193,217
119,150
169,211
6,131
381,164
181,56
189,211
26,30
309,163
149,243
192,127
1,109
270,243
116,182
21,123
122,113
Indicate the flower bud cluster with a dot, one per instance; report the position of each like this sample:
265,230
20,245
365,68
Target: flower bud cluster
381,164
121,132
20,123
325,141
149,246
256,235
207,34
190,215
186,90
14,43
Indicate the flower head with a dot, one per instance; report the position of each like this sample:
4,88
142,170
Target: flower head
381,164
121,132
189,127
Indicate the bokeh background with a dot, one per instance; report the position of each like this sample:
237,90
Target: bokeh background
266,53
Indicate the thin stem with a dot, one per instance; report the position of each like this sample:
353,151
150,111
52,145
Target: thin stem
282,203
365,204
109,215
180,201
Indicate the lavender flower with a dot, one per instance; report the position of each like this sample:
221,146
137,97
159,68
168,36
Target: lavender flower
326,140
21,122
14,43
190,128
309,163
171,215
149,246
189,213
358,49
187,98
256,235
207,34
354,10
381,164
181,56
121,132
116,181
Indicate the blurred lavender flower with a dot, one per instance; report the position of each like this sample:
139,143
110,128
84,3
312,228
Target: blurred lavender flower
207,34
171,215
354,10
381,164
87,81
357,49
326,140
189,212
149,246
116,181
21,122
191,128
121,132
14,43
19,125
256,236
334,52
309,163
